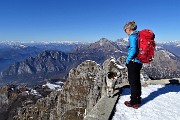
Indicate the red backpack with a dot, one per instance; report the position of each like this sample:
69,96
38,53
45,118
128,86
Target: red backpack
146,45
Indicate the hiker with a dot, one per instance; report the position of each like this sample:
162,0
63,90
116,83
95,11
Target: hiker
134,66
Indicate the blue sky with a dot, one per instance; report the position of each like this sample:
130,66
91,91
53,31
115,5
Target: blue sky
86,20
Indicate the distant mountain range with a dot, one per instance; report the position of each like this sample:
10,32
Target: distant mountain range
34,62
12,52
172,46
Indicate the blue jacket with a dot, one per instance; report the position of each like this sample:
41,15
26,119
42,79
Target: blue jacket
133,48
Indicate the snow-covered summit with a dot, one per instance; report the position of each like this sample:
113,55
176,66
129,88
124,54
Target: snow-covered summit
122,41
159,102
175,42
41,42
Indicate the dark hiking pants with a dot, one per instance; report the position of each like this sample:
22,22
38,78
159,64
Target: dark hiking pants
134,80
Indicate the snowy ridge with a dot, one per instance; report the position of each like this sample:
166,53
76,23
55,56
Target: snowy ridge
122,41
167,54
42,42
169,42
175,42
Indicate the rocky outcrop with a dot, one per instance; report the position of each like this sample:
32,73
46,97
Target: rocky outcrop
43,109
85,85
12,97
27,102
74,97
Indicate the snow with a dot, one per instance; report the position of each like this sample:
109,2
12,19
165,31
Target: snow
53,86
126,39
101,43
24,44
33,92
159,102
159,47
59,82
173,42
144,77
167,54
117,65
178,45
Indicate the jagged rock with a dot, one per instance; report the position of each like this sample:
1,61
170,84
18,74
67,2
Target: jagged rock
86,84
43,109
103,45
73,98
18,102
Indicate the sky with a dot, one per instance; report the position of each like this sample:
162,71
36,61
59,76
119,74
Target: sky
86,20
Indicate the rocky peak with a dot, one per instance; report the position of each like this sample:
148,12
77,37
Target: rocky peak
104,40
86,84
103,45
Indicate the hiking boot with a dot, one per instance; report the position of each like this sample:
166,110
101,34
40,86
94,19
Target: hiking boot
128,104
139,99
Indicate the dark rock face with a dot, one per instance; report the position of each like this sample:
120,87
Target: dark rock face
47,64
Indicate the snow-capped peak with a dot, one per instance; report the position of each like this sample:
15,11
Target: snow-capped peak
175,42
41,42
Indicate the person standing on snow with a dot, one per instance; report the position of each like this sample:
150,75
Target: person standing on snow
134,66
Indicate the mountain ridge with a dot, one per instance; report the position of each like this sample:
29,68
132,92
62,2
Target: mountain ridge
51,63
